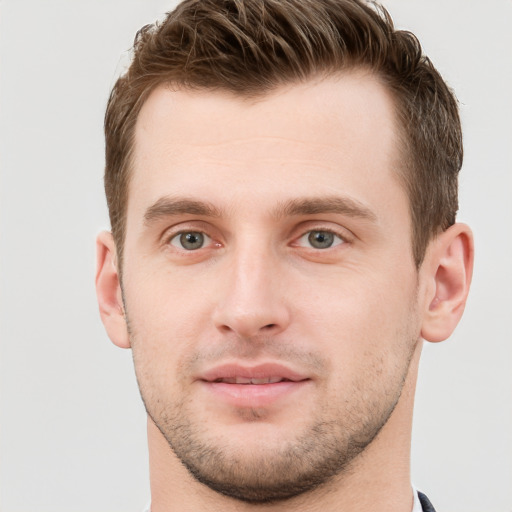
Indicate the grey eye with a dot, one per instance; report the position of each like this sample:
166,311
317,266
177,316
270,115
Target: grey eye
189,240
321,239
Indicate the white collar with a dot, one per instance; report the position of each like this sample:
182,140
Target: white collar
416,507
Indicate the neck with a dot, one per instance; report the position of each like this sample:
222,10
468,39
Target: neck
379,475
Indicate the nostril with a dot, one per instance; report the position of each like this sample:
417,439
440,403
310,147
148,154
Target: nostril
269,326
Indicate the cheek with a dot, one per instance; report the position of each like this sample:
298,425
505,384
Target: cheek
357,315
167,318
160,296
372,339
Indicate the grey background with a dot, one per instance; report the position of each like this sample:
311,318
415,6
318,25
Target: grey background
72,427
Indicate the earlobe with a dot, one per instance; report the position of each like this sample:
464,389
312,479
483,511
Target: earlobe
450,266
108,291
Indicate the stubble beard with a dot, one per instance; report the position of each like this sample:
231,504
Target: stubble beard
326,447
269,473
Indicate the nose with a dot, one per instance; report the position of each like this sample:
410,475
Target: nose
254,301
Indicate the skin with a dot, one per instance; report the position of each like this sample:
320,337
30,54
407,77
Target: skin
256,179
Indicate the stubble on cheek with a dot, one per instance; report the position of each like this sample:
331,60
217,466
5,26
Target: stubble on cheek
348,414
329,438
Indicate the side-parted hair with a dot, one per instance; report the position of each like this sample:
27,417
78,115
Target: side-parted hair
251,47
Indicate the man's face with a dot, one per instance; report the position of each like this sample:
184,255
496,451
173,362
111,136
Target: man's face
268,280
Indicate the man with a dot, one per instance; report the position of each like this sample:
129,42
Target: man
281,178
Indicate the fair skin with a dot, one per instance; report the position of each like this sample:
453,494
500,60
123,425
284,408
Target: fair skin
271,299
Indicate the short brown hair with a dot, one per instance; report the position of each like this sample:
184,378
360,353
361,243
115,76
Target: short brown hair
250,47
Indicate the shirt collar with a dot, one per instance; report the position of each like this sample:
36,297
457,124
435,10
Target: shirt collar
416,507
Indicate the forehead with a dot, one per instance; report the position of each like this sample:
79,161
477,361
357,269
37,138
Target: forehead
338,132
357,97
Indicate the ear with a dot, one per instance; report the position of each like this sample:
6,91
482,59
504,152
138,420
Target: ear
108,291
449,267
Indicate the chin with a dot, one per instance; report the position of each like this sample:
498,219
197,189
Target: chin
257,462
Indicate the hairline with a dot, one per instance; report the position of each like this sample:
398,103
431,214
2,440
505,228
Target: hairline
404,152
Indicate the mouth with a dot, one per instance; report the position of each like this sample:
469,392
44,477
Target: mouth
256,386
246,380
270,373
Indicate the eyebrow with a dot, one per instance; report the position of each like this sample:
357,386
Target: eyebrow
168,207
172,206
331,204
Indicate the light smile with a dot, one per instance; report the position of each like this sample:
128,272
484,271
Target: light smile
242,385
237,373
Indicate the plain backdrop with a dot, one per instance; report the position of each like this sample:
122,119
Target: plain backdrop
72,426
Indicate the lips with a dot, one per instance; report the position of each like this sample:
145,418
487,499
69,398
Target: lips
244,386
270,373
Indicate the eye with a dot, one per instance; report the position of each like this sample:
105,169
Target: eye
190,240
320,239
